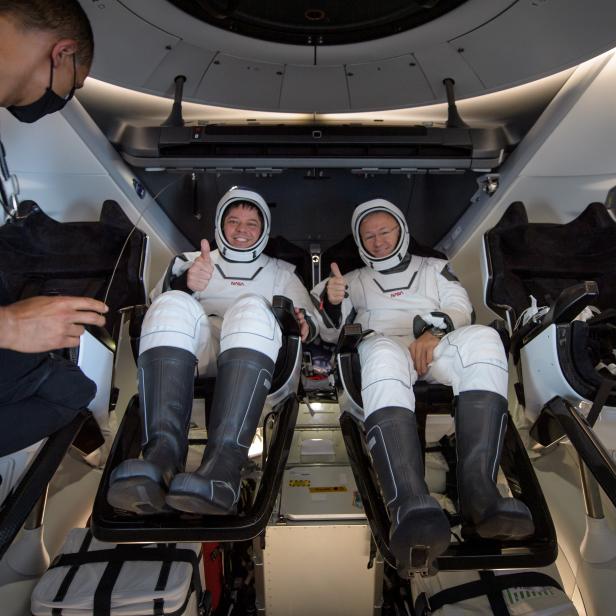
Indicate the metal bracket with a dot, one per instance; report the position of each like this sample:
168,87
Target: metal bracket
488,184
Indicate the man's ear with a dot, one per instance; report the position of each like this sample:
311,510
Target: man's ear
63,49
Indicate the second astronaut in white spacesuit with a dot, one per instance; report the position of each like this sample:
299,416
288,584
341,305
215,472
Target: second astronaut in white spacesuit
217,316
421,318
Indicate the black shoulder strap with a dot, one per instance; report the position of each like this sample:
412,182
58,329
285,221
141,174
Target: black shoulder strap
70,574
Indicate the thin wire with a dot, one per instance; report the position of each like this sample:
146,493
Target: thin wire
145,209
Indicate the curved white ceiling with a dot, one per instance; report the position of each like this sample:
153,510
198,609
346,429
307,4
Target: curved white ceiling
484,45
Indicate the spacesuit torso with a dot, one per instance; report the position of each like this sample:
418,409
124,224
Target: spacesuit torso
388,302
266,277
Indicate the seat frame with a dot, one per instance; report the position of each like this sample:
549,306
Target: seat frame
109,524
539,550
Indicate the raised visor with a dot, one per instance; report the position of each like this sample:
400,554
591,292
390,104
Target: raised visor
407,149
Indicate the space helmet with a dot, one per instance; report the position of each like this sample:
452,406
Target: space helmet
399,252
232,197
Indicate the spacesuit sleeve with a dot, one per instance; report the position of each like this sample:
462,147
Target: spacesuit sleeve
455,306
330,321
289,285
175,273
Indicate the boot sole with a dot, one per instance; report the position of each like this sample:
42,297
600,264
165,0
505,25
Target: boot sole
504,528
135,486
510,521
193,494
138,495
189,503
419,539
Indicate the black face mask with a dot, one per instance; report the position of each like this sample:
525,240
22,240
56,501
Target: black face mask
50,102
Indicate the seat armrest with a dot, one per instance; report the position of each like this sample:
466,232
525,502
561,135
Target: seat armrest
96,359
567,306
136,314
349,338
282,307
571,302
89,438
348,368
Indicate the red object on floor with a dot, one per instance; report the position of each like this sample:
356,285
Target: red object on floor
212,571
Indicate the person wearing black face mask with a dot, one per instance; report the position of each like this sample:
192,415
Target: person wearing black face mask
46,49
49,102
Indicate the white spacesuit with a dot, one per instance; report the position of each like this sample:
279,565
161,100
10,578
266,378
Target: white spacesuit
402,297
228,330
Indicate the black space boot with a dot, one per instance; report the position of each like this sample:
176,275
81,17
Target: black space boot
481,424
166,383
243,381
419,530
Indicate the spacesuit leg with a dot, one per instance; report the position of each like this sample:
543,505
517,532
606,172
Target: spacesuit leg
473,361
174,333
419,530
250,341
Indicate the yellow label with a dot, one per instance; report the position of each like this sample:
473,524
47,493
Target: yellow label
299,483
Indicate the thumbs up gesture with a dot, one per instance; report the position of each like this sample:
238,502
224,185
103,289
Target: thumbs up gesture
200,272
336,286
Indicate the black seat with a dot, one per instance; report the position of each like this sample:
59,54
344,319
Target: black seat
537,551
544,259
104,260
41,256
566,267
109,524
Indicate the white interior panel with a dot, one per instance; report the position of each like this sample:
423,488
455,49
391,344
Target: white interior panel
127,47
547,36
441,61
461,20
584,142
307,87
401,80
143,45
238,82
183,59
171,19
298,559
45,146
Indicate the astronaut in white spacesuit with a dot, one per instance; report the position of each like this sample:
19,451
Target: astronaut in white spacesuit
421,321
217,316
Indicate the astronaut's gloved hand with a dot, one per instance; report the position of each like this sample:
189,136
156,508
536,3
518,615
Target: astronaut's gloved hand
336,286
200,272
422,350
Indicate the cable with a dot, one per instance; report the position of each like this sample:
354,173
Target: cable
145,209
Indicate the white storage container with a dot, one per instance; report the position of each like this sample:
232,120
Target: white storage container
90,577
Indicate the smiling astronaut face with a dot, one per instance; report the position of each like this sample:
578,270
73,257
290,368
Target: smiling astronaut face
379,234
242,225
